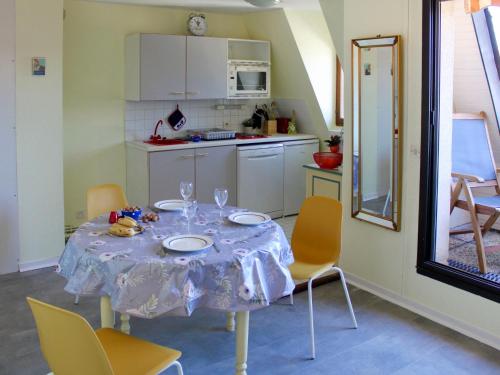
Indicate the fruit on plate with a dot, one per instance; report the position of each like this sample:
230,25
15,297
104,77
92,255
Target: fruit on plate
150,216
131,209
122,231
127,222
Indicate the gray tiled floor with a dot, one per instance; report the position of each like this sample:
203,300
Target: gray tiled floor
389,340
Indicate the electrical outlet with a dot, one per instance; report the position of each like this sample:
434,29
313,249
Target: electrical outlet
80,215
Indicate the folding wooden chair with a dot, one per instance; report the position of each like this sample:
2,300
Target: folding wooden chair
473,166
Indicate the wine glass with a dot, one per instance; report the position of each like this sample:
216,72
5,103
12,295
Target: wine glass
220,196
189,211
186,189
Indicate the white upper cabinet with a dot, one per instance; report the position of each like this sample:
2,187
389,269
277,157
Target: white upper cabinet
206,68
155,67
170,67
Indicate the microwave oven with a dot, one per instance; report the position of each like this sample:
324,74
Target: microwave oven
249,80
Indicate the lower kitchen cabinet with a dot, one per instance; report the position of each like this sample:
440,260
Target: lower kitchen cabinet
215,167
156,176
323,182
296,155
166,171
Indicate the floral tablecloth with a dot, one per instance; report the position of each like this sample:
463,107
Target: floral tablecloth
246,269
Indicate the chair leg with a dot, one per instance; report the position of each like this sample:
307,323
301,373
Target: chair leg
77,299
179,368
311,318
476,227
348,299
291,298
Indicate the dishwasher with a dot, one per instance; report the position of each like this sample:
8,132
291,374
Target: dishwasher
260,178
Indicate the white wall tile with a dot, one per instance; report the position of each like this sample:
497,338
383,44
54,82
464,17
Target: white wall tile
141,117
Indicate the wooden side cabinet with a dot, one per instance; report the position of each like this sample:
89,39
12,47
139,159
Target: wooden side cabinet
324,182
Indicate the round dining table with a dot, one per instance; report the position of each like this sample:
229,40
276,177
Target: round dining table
245,269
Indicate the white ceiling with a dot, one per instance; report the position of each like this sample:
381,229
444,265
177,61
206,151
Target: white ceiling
218,5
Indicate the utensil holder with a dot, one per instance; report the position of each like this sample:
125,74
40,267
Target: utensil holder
270,127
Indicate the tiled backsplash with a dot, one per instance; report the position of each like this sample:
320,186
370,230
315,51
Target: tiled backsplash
141,117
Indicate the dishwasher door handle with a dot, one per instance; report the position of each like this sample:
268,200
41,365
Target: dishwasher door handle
262,157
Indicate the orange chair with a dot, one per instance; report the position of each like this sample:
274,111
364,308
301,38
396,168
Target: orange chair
105,198
316,242
71,346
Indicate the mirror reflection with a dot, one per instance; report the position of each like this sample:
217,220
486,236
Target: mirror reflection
376,131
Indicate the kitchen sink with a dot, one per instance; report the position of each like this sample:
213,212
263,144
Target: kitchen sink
165,142
249,136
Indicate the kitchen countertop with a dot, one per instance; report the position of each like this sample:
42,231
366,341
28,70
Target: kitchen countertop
337,171
270,139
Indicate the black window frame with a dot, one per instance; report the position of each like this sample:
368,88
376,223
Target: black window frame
426,265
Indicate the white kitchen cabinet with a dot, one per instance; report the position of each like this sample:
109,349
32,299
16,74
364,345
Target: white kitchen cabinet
297,154
156,176
215,167
206,68
155,67
166,170
175,67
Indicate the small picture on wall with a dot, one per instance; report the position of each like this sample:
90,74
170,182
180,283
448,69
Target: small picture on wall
38,65
368,69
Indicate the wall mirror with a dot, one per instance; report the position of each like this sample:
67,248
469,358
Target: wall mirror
376,104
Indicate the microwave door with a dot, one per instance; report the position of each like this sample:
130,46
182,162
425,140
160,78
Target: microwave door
251,82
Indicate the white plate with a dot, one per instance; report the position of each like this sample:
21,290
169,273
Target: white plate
170,205
249,218
188,242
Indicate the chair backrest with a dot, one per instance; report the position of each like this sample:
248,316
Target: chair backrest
317,234
68,342
471,148
105,198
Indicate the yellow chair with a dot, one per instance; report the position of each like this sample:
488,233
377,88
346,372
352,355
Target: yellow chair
105,198
102,199
316,242
72,347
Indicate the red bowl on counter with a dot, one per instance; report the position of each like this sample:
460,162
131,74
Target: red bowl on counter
328,160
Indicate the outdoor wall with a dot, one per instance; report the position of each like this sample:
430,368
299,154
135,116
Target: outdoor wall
470,92
39,130
378,259
94,105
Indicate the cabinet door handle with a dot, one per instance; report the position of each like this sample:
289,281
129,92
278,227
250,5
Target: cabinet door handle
200,155
192,92
187,156
177,93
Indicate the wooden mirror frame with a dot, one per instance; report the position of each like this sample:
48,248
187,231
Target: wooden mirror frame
392,222
339,93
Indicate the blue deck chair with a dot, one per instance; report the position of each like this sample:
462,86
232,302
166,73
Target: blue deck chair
473,166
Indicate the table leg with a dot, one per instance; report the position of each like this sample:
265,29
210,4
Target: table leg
230,321
242,320
125,326
107,313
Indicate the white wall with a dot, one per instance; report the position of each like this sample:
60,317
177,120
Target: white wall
9,251
39,130
378,259
315,46
334,15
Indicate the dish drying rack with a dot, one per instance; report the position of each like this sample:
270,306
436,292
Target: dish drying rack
214,134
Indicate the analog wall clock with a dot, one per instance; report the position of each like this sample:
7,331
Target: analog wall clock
197,24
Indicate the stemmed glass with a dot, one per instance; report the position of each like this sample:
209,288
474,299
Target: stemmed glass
189,211
220,196
186,188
